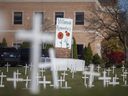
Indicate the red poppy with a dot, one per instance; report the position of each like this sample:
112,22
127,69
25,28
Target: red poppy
67,33
60,35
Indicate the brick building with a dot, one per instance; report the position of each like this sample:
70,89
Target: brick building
18,15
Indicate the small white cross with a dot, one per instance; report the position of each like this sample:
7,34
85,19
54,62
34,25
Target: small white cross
66,86
36,38
124,75
85,80
1,79
42,71
27,80
64,74
114,81
125,83
91,75
105,78
17,73
113,69
44,82
7,66
98,68
108,71
123,67
61,80
26,69
14,79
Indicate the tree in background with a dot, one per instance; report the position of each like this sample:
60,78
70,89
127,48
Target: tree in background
4,43
111,21
96,59
88,56
74,49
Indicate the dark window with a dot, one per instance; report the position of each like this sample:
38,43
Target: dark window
80,51
18,17
79,18
59,15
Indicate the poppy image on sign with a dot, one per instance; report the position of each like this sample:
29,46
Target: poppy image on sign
60,35
67,33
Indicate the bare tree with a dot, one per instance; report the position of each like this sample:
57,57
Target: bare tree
111,21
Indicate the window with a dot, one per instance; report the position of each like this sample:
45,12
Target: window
59,15
18,18
79,16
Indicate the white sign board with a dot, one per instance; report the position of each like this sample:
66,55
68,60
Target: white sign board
64,33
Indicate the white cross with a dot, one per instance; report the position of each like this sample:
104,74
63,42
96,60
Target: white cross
85,80
124,75
61,80
53,67
91,74
17,73
64,74
66,86
1,79
7,67
26,69
113,69
42,71
108,71
114,81
98,68
123,67
125,83
27,80
14,79
44,82
105,79
36,38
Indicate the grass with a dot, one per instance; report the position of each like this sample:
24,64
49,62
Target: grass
78,88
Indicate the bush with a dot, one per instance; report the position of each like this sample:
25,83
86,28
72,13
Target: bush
116,57
88,56
96,59
4,43
75,54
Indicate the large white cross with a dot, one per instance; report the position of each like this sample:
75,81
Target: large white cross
53,67
91,75
36,38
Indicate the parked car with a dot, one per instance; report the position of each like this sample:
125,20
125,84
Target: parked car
9,55
24,56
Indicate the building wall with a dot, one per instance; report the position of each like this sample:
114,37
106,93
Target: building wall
49,9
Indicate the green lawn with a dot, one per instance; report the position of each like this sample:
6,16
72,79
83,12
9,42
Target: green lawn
78,88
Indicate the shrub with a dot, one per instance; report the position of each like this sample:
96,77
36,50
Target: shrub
75,54
4,43
88,56
116,57
97,59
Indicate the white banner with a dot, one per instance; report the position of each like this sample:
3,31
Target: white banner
64,33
